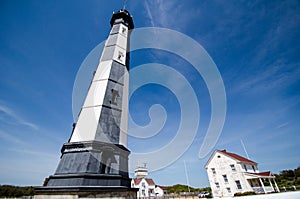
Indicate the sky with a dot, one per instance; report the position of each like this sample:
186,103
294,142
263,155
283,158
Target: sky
254,44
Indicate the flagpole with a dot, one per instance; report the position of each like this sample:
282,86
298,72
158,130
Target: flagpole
187,177
245,148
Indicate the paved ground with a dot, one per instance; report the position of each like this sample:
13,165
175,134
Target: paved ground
282,195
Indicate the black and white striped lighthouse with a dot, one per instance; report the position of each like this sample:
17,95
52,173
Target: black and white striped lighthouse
95,159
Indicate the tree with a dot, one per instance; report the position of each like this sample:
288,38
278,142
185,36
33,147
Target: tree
287,173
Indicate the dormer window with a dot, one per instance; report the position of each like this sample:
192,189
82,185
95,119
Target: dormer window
253,167
245,167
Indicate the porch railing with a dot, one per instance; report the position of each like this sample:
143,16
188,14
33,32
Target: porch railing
258,189
268,189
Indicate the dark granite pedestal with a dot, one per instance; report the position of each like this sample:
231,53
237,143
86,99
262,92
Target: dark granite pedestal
89,170
85,192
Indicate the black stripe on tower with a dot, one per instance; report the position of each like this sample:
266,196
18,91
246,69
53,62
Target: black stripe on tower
122,16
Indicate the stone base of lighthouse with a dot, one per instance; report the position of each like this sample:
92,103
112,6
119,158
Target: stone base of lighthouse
88,193
89,169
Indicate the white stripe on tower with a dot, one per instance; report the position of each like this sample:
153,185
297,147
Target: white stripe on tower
105,110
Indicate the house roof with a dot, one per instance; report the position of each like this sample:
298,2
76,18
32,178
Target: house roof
137,180
266,174
238,157
148,180
163,187
232,155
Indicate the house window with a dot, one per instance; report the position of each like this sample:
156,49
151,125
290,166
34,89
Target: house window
232,167
219,156
143,185
213,170
238,184
245,167
217,185
253,167
143,192
225,178
228,190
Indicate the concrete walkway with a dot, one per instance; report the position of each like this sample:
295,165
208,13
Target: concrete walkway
282,195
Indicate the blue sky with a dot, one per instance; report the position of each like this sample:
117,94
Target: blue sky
255,45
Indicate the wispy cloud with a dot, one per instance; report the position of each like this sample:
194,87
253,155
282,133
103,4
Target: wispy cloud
282,125
277,75
166,14
146,4
268,63
35,153
17,120
8,137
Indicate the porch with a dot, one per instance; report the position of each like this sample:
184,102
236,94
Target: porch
263,182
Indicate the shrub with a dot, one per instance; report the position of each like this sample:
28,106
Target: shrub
247,193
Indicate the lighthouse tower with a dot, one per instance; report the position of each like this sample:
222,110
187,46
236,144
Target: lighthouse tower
96,155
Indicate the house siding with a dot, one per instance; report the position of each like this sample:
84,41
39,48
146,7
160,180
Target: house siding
221,163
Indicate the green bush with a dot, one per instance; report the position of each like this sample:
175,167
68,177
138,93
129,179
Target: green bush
247,193
14,191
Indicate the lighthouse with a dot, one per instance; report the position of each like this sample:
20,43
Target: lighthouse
95,159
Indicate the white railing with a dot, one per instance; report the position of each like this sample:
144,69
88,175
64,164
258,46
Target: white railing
258,189
268,189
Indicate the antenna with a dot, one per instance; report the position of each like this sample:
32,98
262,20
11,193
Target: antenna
124,5
245,149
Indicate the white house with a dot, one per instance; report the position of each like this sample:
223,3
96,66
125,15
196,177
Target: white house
230,173
146,186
